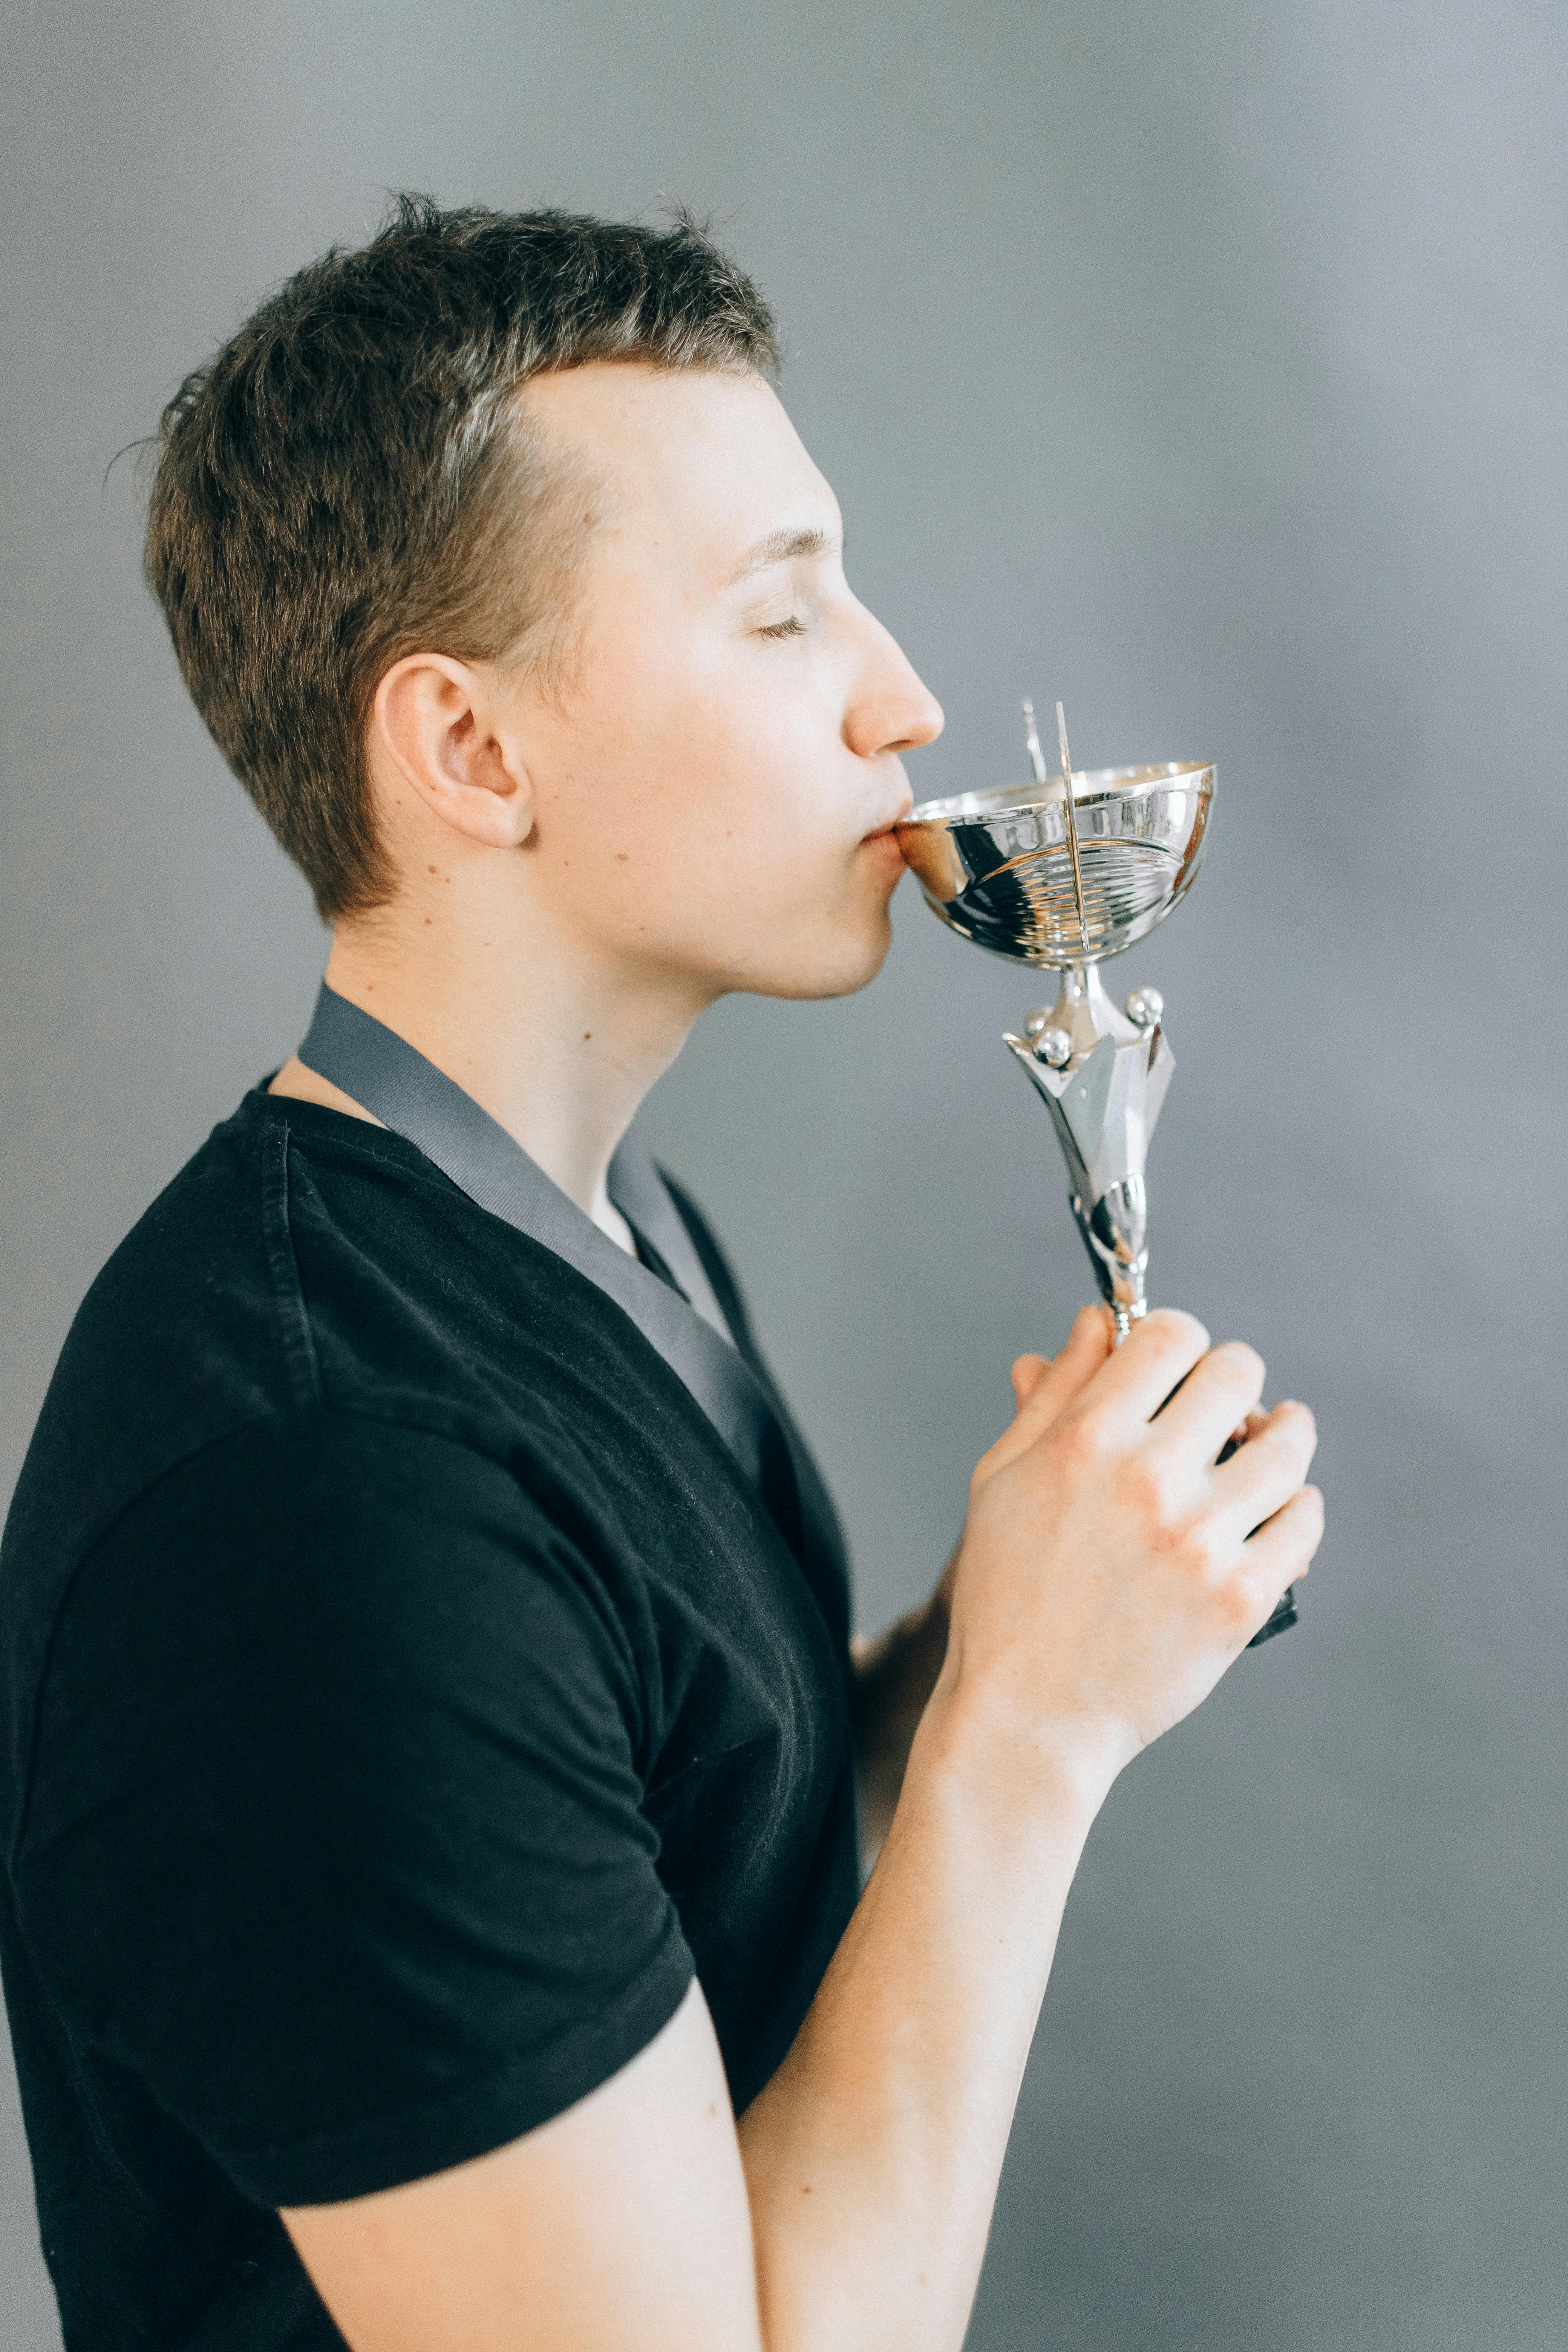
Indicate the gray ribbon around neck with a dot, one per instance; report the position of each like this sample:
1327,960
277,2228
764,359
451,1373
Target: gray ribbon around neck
392,1080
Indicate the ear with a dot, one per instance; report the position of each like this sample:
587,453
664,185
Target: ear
439,724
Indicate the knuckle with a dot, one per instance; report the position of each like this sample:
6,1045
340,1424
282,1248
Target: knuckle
1174,1327
1082,1439
1240,1357
1279,1463
1303,1420
1212,1556
1241,1606
1147,1491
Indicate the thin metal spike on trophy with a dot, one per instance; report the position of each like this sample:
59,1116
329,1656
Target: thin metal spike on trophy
1032,744
1072,828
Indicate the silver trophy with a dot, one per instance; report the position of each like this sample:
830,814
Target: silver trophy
1065,872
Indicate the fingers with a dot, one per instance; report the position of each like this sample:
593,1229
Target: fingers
1258,1480
1218,1393
1158,1352
1042,1387
1247,1428
1280,1553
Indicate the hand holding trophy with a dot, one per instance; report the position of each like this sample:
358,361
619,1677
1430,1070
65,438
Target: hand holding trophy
1064,873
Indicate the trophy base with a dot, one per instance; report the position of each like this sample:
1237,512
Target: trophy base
1285,1616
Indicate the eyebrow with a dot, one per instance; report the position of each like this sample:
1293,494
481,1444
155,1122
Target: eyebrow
784,546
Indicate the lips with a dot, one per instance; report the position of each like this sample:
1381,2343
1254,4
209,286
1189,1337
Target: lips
887,826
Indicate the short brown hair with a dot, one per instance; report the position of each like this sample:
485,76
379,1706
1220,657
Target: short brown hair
346,481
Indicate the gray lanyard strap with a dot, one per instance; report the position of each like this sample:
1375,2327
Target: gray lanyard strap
390,1078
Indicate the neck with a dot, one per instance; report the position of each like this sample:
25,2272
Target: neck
560,1046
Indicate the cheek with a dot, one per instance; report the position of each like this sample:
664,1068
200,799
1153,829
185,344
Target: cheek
680,838
709,789
728,778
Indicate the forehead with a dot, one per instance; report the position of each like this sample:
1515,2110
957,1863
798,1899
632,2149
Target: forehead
700,459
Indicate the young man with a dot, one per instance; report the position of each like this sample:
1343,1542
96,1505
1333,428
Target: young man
432,1916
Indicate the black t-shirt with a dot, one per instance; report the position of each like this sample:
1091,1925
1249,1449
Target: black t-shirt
405,1691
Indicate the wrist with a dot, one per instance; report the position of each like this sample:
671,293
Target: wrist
1031,1776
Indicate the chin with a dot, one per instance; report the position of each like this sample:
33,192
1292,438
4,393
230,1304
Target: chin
847,960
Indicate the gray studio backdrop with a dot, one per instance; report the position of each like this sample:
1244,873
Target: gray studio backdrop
1203,365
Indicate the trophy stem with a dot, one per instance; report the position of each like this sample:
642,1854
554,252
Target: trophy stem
1102,1075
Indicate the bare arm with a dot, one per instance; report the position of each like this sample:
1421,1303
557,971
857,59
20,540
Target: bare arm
895,1674
1106,1580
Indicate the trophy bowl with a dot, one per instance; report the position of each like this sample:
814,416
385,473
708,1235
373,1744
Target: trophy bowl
998,866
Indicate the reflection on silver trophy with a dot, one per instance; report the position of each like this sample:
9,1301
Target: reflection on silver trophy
1065,872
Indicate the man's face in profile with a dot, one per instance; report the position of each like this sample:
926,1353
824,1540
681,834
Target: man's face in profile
714,784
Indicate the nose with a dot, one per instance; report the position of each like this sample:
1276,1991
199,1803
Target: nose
891,709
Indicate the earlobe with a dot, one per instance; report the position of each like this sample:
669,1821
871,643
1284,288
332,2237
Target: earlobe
434,721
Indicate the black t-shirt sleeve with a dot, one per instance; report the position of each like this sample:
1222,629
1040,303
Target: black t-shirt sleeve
335,1829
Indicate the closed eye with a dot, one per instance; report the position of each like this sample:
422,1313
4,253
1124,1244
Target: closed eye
792,627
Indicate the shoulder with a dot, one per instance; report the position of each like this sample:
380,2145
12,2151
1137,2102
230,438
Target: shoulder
299,1258
328,1581
194,1329
176,1342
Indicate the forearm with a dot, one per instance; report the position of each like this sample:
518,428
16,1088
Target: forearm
895,1674
872,2157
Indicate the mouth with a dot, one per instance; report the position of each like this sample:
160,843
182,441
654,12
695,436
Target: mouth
888,827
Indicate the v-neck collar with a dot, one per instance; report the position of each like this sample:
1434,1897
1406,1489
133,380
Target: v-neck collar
394,1080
